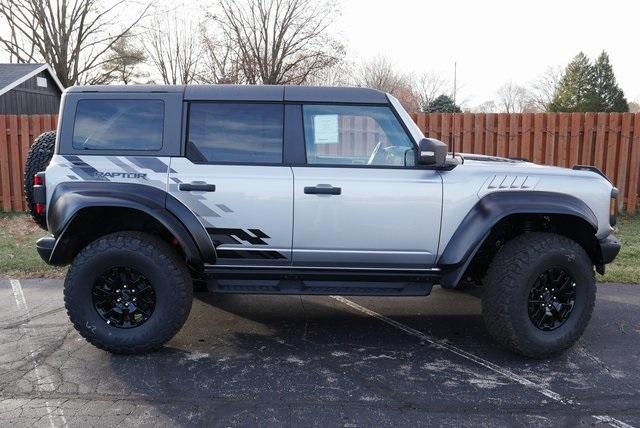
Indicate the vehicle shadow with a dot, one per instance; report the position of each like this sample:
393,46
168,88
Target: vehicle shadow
287,354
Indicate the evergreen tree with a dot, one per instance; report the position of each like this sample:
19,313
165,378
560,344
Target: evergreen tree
589,87
611,96
442,104
577,88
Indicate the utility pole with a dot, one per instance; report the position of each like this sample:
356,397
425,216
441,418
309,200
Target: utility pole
455,81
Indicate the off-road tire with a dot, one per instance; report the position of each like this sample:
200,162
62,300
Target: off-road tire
509,279
152,257
38,159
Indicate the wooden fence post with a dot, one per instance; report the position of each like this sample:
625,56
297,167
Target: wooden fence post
479,133
5,169
551,134
634,166
574,143
467,133
623,159
527,132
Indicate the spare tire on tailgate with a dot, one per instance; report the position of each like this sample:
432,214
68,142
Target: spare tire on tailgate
38,159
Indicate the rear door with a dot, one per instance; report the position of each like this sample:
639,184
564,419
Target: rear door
360,201
234,180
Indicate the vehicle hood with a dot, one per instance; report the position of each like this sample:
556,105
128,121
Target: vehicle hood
501,164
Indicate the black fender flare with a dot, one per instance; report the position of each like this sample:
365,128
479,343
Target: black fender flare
492,208
70,198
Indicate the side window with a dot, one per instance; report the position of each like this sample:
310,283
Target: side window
355,135
103,124
235,133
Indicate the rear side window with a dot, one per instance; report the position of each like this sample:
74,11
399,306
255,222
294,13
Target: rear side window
235,133
118,125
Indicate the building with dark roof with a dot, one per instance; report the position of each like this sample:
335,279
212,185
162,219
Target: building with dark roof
29,89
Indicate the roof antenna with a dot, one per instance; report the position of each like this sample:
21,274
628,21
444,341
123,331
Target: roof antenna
455,87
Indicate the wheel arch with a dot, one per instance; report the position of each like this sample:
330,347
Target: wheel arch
81,212
526,211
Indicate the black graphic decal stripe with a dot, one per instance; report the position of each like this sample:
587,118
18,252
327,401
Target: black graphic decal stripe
222,236
154,164
256,237
243,254
83,169
224,208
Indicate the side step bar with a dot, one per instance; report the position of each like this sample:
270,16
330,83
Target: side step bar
244,280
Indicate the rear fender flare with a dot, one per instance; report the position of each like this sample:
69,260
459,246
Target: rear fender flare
69,199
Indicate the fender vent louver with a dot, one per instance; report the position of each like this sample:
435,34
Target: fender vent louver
510,182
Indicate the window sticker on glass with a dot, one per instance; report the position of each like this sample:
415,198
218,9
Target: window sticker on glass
325,129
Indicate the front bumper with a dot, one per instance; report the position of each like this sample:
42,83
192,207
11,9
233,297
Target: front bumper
45,247
609,249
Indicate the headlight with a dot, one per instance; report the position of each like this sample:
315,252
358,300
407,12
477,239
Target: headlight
613,207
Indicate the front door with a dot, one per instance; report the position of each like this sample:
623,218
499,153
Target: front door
360,201
234,180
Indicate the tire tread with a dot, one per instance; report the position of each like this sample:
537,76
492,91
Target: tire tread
506,274
161,254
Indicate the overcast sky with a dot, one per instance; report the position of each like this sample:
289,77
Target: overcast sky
495,41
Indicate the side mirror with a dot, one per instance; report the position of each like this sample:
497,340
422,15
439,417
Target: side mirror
432,152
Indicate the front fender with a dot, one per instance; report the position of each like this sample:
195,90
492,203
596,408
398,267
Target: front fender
494,207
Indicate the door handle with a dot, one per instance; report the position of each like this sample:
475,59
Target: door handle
322,190
197,187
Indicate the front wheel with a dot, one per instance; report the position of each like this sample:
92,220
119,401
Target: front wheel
128,293
539,294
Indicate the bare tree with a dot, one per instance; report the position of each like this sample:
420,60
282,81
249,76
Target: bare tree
380,73
429,86
512,98
340,74
544,88
280,41
173,48
220,63
73,36
486,107
634,107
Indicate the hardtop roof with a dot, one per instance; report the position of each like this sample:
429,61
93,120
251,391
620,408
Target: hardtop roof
320,94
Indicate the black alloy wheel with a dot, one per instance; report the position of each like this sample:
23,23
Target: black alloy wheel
551,299
123,297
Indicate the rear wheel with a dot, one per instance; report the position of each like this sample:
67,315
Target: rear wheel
38,159
128,293
539,294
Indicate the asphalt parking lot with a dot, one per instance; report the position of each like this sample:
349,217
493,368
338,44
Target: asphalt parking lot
316,361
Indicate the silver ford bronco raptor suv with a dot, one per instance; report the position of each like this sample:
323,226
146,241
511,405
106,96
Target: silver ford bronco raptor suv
150,191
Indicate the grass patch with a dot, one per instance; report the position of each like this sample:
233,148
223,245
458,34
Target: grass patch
18,255
626,267
19,258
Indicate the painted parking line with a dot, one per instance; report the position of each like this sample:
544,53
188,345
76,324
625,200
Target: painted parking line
42,373
612,421
514,377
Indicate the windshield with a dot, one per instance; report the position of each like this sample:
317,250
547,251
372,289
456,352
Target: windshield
416,133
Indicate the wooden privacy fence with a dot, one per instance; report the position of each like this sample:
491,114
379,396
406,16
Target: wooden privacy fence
610,141
16,136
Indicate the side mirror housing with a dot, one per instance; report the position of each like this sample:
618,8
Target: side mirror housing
432,152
